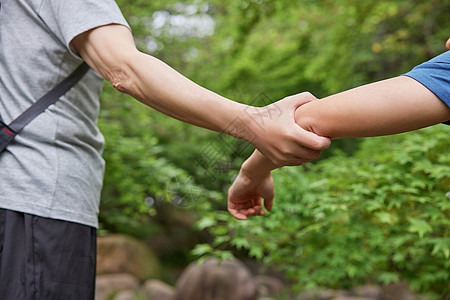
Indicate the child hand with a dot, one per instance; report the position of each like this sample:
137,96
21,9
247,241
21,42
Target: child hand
245,195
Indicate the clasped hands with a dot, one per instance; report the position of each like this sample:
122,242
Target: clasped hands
279,141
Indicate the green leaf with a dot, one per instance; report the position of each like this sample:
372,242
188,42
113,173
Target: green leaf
385,217
388,277
205,222
202,249
256,251
419,226
441,245
240,243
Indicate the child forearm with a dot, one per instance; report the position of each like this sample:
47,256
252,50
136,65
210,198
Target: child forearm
257,166
386,107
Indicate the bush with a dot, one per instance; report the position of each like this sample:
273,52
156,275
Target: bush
379,216
138,175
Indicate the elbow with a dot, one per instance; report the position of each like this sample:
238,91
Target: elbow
120,80
121,74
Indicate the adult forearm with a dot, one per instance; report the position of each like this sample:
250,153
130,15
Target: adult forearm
111,51
386,107
157,85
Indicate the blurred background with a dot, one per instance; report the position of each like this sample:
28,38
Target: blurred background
369,213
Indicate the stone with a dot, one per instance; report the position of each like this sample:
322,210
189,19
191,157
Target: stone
178,234
124,254
352,298
369,290
269,286
126,295
106,285
322,294
229,279
398,291
332,294
157,290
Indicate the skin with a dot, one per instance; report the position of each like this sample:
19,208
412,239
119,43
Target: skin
110,50
386,107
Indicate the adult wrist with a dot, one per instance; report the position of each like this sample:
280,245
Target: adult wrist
241,124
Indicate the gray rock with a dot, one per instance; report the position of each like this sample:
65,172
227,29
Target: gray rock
370,291
398,291
269,286
322,294
227,280
352,298
106,285
124,254
126,295
158,290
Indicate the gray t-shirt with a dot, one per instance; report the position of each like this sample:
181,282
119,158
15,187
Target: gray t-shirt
54,168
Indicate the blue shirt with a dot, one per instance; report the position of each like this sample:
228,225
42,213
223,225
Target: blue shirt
435,75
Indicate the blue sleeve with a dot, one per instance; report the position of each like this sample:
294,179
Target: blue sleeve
435,75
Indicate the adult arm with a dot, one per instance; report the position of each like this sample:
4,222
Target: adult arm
386,107
111,51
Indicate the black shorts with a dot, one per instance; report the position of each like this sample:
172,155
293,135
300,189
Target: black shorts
47,259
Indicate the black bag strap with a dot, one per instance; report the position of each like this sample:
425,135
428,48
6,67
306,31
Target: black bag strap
48,99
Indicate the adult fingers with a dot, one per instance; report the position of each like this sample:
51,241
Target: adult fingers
309,139
297,156
299,99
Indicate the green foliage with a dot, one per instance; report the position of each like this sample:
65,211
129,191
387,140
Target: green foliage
379,216
138,176
284,47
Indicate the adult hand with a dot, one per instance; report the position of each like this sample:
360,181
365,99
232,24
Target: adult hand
448,44
245,195
279,138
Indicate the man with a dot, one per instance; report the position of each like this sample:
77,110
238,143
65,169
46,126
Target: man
51,175
400,104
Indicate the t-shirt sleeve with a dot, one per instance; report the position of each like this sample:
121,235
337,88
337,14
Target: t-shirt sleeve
67,19
435,75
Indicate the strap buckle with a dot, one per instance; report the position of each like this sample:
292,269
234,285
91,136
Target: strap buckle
6,135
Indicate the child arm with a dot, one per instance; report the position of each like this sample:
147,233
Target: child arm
386,107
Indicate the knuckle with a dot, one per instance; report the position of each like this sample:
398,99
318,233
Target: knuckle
307,94
278,161
299,162
285,150
311,154
286,153
324,143
289,97
315,154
